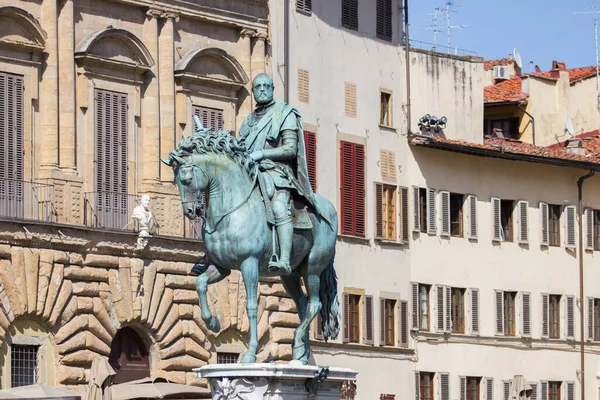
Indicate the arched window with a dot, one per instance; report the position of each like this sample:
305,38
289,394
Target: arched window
129,356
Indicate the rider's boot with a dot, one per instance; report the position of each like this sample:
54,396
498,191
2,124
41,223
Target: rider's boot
285,233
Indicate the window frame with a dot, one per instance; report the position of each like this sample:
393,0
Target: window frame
596,321
390,321
459,218
509,229
554,304
554,225
596,229
491,121
554,394
423,209
387,217
469,391
457,309
385,108
426,389
354,322
427,301
510,313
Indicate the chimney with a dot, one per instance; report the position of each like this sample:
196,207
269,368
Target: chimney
575,146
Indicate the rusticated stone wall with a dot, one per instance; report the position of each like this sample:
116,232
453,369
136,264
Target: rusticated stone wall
82,286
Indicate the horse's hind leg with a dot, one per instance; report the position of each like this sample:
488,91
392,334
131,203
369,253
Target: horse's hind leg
249,270
213,274
293,286
301,350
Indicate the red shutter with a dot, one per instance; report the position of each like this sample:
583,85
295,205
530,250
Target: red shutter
210,117
352,159
310,147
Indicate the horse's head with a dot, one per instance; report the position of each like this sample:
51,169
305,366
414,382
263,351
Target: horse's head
191,180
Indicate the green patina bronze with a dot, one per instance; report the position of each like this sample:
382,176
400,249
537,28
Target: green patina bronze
236,231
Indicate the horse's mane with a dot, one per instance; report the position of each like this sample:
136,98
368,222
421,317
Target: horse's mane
208,140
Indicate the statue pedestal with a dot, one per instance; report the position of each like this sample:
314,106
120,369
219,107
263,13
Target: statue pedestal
274,381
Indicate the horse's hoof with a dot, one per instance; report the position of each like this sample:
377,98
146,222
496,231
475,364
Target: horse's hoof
248,358
213,324
300,354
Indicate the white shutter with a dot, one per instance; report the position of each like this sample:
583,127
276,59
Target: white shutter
417,385
499,312
570,317
472,200
589,229
474,311
416,303
545,308
570,391
445,199
544,225
444,386
489,388
496,221
440,308
526,314
448,309
523,207
544,390
416,210
534,391
431,215
463,387
506,387
590,306
570,221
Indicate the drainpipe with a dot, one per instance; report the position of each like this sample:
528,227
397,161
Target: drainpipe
286,50
407,54
581,298
532,123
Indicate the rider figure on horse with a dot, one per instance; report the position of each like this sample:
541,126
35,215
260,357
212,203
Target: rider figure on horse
274,136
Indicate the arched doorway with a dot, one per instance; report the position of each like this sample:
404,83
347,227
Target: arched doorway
128,356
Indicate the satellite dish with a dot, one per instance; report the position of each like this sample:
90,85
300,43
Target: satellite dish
569,125
517,57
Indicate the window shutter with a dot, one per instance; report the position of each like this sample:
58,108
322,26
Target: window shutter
416,210
544,390
526,314
463,388
350,99
384,19
359,179
369,328
475,311
417,385
570,315
472,216
304,5
310,148
489,388
319,327
445,198
590,306
444,386
404,210
545,317
303,86
403,323
353,189
210,117
346,337
589,229
448,327
570,227
496,224
506,389
415,306
523,221
350,14
382,321
544,225
499,312
440,308
379,211
11,133
431,222
570,391
534,390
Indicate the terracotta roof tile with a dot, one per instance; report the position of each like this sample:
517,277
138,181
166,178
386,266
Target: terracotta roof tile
508,90
575,74
489,64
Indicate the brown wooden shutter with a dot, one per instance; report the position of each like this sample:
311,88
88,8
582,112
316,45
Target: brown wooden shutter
545,316
417,385
463,388
472,216
475,311
523,207
489,388
499,312
403,323
415,306
382,322
445,200
570,222
590,313
496,222
404,214
526,314
440,308
544,225
384,19
319,327
589,229
346,337
379,225
310,147
350,14
416,209
431,212
210,117
369,328
570,317
444,386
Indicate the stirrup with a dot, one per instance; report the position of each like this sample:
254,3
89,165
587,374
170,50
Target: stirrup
276,265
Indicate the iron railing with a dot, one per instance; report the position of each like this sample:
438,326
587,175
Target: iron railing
22,200
109,210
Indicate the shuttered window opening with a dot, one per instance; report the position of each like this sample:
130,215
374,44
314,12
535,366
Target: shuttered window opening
352,318
523,210
304,6
369,320
387,319
510,325
506,220
352,198
111,157
472,388
554,214
452,214
310,148
458,310
350,99
385,212
554,390
384,19
526,314
554,316
11,143
475,312
570,317
210,117
404,233
385,109
303,86
463,388
472,204
350,14
387,164
424,385
570,221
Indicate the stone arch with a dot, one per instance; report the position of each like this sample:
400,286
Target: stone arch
129,356
114,47
212,66
20,30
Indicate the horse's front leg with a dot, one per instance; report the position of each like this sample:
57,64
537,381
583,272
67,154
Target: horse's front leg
249,270
213,274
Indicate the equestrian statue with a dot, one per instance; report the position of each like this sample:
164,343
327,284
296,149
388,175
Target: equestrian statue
261,216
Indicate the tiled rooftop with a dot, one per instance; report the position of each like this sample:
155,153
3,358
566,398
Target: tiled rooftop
489,64
508,90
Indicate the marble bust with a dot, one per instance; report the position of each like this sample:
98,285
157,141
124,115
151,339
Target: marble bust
145,221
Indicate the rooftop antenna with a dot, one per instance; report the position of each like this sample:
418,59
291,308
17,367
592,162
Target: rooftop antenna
434,27
518,59
447,11
595,12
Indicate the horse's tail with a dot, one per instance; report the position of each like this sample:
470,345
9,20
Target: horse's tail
330,305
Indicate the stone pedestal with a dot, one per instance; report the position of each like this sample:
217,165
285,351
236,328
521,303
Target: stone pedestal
274,381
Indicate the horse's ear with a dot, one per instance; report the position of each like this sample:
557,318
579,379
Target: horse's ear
167,162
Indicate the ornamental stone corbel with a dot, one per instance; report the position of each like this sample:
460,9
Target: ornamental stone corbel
170,15
154,13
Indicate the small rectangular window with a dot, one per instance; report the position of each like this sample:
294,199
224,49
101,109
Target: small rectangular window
426,385
554,389
424,307
506,219
354,314
423,209
554,212
473,387
456,214
508,127
385,116
390,322
23,365
227,358
210,117
350,14
554,314
385,211
458,310
509,313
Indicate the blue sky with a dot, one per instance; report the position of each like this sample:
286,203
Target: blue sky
542,30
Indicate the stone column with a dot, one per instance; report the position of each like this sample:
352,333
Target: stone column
166,79
245,60
258,53
49,91
150,151
66,81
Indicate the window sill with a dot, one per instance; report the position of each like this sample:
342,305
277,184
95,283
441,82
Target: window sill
388,128
357,239
389,242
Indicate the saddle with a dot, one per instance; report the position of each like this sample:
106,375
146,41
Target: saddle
300,219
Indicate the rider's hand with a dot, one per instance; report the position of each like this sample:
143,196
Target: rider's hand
256,155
